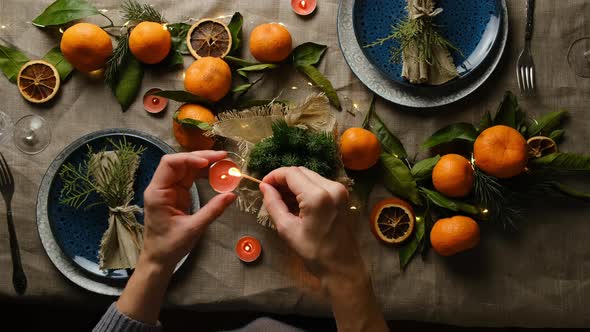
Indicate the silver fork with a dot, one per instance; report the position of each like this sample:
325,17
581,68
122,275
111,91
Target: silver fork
525,69
19,280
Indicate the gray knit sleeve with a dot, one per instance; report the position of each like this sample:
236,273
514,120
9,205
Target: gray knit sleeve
113,321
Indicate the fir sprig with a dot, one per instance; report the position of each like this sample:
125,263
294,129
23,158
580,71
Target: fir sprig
497,199
116,61
136,12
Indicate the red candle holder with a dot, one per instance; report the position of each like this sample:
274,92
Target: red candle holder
223,177
303,7
154,104
248,249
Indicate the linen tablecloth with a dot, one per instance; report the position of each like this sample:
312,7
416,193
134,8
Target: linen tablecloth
539,276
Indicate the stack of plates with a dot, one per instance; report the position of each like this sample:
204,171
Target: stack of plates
479,29
71,237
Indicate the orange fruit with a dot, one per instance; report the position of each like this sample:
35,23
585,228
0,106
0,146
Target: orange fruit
453,235
392,220
209,37
360,149
270,42
86,46
150,42
453,175
38,81
189,136
500,151
209,78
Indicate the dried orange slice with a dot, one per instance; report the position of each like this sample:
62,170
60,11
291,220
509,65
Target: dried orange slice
392,220
209,37
540,146
38,81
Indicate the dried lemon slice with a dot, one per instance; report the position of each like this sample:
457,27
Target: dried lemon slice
209,37
38,81
392,220
540,146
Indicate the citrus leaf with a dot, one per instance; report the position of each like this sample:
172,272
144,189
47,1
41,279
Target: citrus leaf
238,61
422,170
364,181
308,54
235,27
571,192
450,204
370,112
390,143
409,248
259,102
173,59
257,67
182,96
547,123
322,82
463,131
56,58
129,82
556,135
11,61
178,33
509,113
485,122
192,122
398,179
563,161
242,88
64,11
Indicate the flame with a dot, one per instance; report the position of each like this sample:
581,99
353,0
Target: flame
223,176
303,4
234,172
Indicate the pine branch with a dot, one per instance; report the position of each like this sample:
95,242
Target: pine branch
135,12
497,199
117,61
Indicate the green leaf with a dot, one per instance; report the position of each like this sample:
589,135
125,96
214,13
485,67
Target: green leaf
463,131
11,61
257,67
390,143
56,58
409,248
563,161
235,27
556,135
178,33
129,82
422,170
242,88
370,112
192,122
571,192
485,122
183,97
398,179
308,54
509,113
238,61
322,82
450,204
64,11
364,181
547,123
173,59
259,102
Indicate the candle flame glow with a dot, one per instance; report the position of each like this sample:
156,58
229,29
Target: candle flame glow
303,4
223,176
234,172
247,247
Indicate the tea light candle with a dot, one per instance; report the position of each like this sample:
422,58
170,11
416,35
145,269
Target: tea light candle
154,104
303,7
248,249
220,178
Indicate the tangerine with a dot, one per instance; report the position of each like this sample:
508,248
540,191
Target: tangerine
86,46
501,151
360,149
150,42
270,42
453,175
209,78
188,136
453,235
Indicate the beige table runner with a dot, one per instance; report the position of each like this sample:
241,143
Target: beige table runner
538,277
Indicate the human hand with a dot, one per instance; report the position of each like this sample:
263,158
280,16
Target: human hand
170,233
309,213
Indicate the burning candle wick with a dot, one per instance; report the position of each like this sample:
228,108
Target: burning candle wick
155,101
223,176
303,4
247,247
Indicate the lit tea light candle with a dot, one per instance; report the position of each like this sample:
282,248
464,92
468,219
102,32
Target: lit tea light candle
303,7
248,249
154,104
220,178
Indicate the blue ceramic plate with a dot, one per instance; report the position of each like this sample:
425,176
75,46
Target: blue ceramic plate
472,26
78,232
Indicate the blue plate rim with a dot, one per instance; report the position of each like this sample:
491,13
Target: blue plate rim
64,263
409,98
